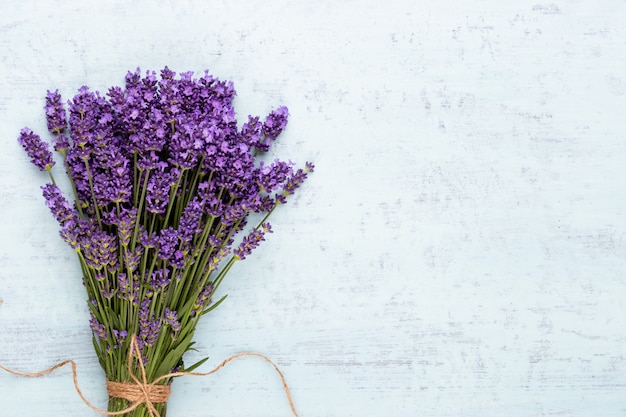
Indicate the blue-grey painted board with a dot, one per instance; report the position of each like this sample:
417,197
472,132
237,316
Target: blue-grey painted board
460,251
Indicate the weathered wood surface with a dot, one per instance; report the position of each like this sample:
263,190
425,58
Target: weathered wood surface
460,250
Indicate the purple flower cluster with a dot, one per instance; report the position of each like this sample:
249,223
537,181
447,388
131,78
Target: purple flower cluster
163,180
158,189
273,126
171,318
149,327
58,205
203,300
56,116
98,328
251,241
119,336
36,149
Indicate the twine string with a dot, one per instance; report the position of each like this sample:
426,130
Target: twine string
139,391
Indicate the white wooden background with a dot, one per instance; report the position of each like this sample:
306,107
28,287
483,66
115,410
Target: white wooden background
460,250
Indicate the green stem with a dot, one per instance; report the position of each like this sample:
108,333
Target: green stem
139,211
173,192
136,179
93,194
67,170
51,176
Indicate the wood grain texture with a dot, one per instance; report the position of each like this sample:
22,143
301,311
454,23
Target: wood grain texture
460,250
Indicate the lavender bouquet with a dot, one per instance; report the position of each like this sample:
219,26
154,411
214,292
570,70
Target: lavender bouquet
163,181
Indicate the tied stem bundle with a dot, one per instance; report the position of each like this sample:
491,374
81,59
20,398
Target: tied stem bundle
139,391
164,182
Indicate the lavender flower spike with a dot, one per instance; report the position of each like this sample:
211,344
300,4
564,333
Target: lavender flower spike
251,242
55,113
58,205
274,124
37,149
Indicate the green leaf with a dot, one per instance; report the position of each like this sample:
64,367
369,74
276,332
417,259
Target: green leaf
196,365
114,318
187,307
174,356
214,306
96,347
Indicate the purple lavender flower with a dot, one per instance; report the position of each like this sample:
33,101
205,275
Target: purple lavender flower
250,242
148,327
98,328
55,113
170,317
265,204
107,293
190,221
125,223
139,114
158,192
119,336
204,300
148,161
295,181
216,258
179,259
267,228
160,279
74,233
61,143
36,149
131,258
251,132
100,250
281,199
80,178
205,295
274,124
183,153
148,240
83,110
168,243
273,176
233,214
112,182
209,194
128,290
58,205
123,284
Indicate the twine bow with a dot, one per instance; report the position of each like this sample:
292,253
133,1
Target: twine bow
140,391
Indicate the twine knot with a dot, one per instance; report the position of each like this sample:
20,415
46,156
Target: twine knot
132,392
139,391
